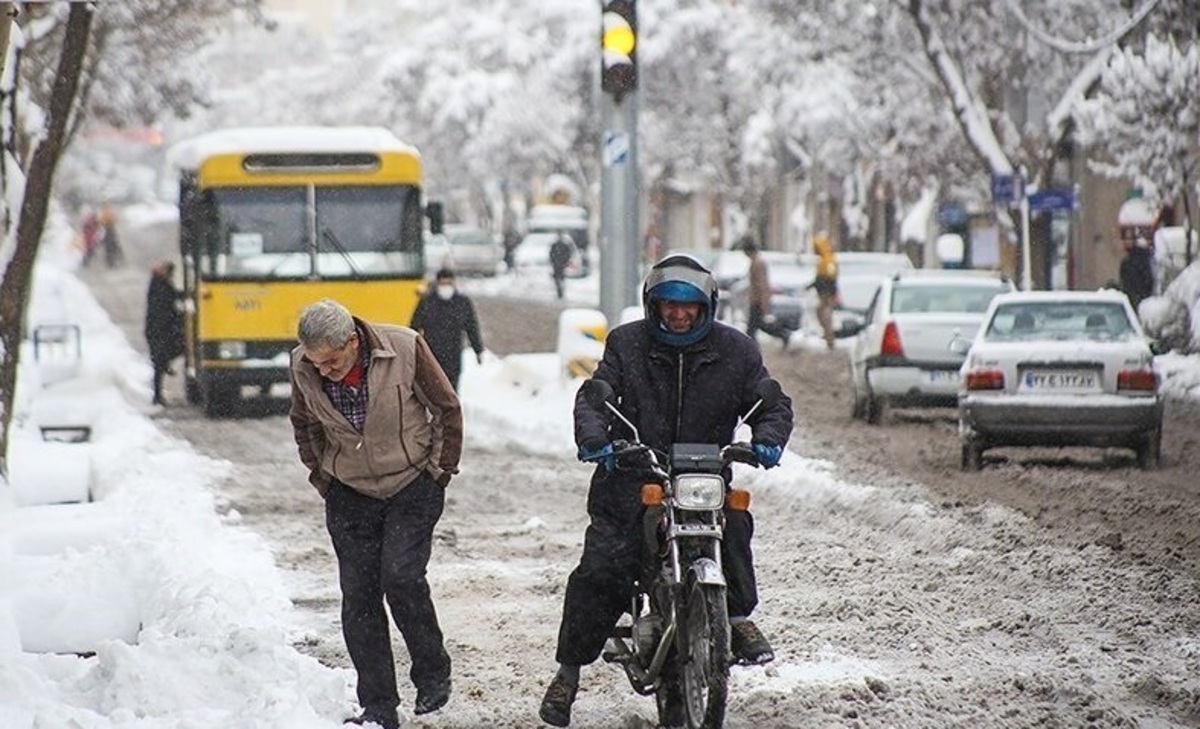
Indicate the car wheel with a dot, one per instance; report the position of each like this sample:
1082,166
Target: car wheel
972,455
1149,450
873,409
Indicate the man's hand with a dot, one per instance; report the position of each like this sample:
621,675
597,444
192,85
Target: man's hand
599,453
444,479
768,455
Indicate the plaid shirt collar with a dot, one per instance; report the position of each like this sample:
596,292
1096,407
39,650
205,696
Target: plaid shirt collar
351,401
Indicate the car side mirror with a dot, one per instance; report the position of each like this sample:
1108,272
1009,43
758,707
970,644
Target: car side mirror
960,346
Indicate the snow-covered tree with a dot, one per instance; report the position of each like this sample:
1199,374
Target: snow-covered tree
1146,116
46,76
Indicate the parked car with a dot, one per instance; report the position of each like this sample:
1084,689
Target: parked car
859,275
437,253
1055,368
789,274
473,252
901,355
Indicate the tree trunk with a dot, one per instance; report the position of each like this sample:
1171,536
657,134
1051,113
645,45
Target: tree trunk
17,276
8,11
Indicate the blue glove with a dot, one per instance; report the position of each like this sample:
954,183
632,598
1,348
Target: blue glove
768,455
603,454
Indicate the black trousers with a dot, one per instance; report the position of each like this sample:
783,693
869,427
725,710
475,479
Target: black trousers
383,548
600,588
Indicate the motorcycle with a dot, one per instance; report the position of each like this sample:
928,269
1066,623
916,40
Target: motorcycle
677,644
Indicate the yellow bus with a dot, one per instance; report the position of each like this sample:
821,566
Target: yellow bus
273,219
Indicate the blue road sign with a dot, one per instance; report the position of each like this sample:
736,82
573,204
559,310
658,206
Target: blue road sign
1005,190
1047,200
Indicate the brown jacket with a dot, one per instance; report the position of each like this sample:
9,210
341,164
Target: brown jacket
414,421
760,285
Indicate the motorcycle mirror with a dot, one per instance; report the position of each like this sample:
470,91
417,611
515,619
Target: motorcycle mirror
769,392
597,393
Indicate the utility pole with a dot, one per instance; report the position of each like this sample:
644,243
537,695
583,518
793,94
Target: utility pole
620,218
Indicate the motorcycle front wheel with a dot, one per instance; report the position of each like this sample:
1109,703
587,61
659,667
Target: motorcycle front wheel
705,671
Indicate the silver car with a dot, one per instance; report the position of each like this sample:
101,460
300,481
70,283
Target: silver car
901,355
1059,368
473,252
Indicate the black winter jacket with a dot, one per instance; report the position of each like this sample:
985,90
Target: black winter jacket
680,395
164,322
443,322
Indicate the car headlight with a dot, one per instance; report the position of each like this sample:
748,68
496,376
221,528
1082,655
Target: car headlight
699,492
231,349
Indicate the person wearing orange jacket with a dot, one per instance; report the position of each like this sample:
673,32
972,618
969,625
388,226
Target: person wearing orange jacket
826,285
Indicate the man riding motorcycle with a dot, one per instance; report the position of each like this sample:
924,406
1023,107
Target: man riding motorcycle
679,376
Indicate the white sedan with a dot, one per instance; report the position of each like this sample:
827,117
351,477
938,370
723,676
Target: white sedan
901,354
1057,368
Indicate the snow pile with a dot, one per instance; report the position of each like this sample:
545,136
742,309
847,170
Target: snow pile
1174,317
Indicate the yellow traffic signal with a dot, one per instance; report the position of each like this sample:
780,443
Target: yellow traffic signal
618,42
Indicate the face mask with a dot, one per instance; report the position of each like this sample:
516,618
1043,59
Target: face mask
445,292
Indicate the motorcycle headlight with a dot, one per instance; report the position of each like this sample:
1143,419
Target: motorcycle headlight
699,492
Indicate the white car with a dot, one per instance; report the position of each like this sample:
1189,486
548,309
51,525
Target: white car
901,355
1060,368
859,275
437,253
789,275
473,252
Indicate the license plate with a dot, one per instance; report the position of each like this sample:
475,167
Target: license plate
1060,381
941,377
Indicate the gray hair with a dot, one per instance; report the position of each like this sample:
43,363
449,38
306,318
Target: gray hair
325,324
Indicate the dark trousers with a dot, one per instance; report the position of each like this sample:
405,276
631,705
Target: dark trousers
451,365
600,588
383,548
756,321
159,373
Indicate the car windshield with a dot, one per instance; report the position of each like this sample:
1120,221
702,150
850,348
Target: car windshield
943,298
1060,320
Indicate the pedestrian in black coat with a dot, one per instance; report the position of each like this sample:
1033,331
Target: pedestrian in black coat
560,257
164,324
1137,272
444,316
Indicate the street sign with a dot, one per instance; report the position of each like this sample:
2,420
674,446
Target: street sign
1006,190
616,149
1047,200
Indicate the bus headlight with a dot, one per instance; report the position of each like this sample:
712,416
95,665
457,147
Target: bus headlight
699,492
231,349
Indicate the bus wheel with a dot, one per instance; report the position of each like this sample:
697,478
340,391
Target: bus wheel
221,399
192,391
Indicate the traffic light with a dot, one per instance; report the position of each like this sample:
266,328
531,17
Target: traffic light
618,41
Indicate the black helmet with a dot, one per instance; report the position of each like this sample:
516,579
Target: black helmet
679,277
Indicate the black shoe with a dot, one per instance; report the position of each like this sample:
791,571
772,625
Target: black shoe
556,705
374,720
432,698
749,646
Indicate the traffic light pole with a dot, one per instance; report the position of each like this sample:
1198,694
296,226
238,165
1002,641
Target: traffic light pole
620,218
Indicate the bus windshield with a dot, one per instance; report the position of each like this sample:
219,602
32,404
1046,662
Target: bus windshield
353,232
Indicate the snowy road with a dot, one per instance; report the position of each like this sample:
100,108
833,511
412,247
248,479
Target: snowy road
892,603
